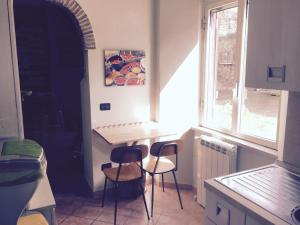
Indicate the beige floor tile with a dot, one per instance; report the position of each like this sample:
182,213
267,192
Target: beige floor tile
121,211
85,211
196,222
60,217
140,221
178,220
109,218
67,205
88,212
72,220
101,223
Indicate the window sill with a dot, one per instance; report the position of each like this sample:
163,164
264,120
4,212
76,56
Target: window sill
240,142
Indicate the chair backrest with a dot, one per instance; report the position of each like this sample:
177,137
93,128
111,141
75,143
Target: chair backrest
165,148
129,154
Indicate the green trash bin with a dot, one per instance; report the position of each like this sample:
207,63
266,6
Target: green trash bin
22,165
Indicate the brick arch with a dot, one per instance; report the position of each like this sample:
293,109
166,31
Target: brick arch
83,21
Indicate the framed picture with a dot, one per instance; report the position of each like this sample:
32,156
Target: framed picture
124,67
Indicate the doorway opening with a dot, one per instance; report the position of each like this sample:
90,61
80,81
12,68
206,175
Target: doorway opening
51,62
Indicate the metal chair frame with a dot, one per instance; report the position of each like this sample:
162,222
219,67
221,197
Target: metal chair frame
120,159
160,153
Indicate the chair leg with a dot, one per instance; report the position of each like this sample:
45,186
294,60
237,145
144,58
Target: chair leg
116,203
137,193
104,192
143,194
163,182
152,195
177,188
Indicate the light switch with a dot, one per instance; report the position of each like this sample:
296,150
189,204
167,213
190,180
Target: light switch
104,106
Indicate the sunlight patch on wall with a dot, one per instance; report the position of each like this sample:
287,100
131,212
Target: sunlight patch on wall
179,98
142,113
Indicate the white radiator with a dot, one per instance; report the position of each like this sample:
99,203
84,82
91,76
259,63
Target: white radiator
215,158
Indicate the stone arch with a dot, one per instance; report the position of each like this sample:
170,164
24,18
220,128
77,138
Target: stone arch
83,21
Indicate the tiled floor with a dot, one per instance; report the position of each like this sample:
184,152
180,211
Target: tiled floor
73,210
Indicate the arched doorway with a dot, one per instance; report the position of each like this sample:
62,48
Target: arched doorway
52,39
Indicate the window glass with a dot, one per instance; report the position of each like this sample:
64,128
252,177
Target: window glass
247,113
260,111
222,62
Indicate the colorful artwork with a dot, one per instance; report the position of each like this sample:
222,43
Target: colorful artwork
124,67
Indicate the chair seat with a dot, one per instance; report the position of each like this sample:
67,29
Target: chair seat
32,219
127,172
164,165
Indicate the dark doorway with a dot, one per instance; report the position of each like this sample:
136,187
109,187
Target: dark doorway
51,66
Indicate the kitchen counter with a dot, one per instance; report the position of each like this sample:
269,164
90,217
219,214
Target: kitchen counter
242,202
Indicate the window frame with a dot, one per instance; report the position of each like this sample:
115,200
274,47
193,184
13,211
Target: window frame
205,82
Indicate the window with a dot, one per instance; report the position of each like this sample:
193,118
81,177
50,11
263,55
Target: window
229,106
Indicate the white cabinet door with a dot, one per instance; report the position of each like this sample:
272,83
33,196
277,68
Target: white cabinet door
273,44
252,221
221,212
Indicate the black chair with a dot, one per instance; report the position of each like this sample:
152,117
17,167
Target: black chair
160,164
129,159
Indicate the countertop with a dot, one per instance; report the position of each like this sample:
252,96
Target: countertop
242,202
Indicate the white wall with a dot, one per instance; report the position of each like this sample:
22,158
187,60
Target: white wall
125,24
118,24
9,126
291,153
177,39
168,30
178,61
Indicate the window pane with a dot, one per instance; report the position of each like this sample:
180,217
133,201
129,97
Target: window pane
223,36
260,112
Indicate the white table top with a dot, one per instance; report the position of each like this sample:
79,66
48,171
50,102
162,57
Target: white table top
132,132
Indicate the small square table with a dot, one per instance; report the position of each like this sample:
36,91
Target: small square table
132,132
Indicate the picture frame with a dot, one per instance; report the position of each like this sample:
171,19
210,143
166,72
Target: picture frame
124,67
